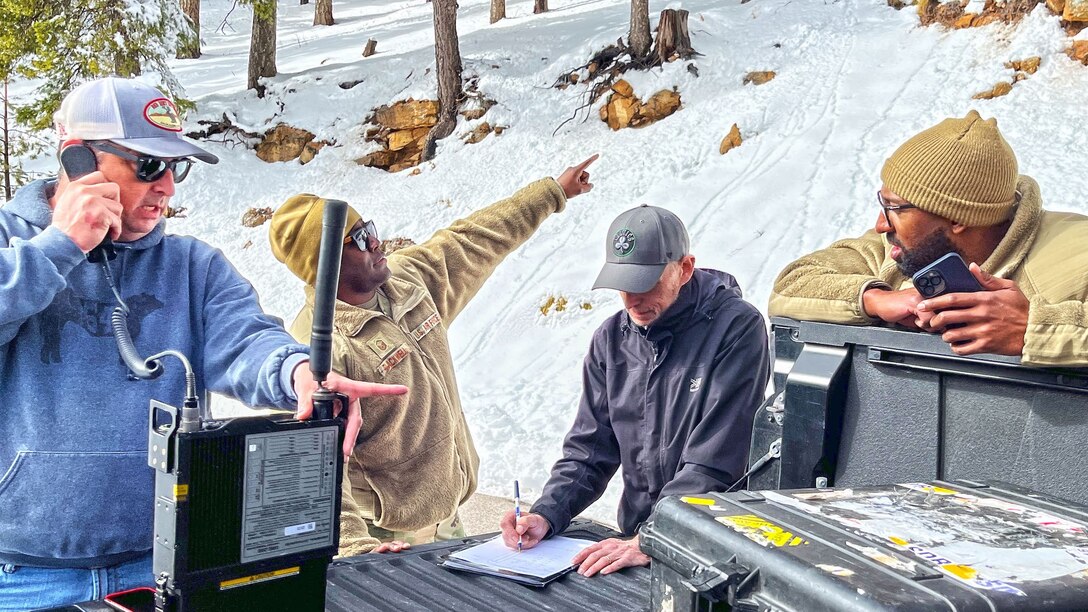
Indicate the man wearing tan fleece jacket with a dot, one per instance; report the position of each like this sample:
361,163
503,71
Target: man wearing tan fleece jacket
955,187
414,461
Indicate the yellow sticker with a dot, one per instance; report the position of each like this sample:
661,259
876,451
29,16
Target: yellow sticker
961,571
925,488
761,531
274,574
181,492
899,541
697,501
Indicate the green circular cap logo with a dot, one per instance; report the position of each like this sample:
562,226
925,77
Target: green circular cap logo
623,243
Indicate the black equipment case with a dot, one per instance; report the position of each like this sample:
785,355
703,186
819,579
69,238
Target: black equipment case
860,406
927,546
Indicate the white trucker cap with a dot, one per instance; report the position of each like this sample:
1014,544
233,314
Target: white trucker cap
128,113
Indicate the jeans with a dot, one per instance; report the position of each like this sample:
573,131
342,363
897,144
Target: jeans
27,588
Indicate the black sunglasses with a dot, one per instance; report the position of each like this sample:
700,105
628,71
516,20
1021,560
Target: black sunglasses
885,207
362,236
148,169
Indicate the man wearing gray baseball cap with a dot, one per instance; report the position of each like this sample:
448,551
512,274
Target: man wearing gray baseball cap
76,494
670,387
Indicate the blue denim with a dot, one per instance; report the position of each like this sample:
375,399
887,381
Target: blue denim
27,588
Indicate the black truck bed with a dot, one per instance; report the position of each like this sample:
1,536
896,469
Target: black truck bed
412,580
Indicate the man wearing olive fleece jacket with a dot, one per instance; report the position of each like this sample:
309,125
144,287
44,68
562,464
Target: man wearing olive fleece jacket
414,463
955,187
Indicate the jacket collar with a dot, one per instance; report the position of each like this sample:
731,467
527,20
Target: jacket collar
1013,248
350,319
699,297
31,203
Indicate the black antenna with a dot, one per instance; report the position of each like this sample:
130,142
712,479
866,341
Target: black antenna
328,278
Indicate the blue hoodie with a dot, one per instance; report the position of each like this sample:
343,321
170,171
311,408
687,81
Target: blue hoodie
75,487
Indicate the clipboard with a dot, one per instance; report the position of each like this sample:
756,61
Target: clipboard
537,566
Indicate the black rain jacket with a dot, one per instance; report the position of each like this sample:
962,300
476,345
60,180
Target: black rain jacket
672,404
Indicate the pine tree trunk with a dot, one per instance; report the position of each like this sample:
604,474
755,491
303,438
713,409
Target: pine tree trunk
447,55
189,45
323,13
639,36
672,36
540,6
498,10
262,45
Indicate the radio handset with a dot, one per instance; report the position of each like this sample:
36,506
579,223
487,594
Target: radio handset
79,160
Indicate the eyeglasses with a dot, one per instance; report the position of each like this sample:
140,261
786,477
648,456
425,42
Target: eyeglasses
148,169
362,237
885,207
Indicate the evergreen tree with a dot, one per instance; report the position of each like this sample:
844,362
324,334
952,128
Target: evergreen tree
448,70
62,43
189,43
262,44
323,13
638,38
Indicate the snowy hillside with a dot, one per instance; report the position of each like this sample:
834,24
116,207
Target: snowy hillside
854,78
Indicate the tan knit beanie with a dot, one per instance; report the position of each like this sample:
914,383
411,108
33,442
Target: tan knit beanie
960,169
295,234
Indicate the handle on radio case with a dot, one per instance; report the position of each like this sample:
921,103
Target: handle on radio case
714,580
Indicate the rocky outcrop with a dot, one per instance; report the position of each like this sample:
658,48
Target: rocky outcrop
1000,89
731,141
759,77
255,217
953,14
284,143
400,129
623,108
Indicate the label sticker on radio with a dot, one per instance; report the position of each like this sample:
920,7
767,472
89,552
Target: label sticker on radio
290,487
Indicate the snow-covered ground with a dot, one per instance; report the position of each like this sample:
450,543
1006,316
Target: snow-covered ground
855,78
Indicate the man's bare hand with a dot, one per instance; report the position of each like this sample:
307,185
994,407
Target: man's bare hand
88,209
609,556
893,306
991,321
575,180
305,385
531,527
394,546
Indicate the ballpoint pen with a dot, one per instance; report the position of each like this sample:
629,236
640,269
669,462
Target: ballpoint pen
517,510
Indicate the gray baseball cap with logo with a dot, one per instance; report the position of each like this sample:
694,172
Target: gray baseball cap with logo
128,113
641,242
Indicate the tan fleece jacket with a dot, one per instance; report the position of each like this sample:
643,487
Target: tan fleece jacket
415,451
1043,252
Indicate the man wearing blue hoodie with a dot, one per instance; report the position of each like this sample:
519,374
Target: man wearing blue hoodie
669,390
75,489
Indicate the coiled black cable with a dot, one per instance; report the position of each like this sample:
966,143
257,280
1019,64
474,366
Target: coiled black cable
146,370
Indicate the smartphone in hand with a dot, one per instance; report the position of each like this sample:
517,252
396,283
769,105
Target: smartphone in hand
949,274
